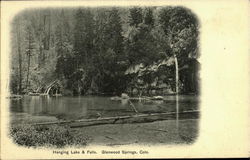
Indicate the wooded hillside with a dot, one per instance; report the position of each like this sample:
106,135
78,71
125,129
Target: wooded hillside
97,50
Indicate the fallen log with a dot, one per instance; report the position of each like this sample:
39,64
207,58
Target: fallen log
15,96
33,94
116,98
137,118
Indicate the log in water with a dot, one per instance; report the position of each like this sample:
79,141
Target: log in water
137,118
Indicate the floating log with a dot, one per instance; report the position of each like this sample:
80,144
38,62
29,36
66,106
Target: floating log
138,98
137,118
116,98
56,95
33,94
157,98
44,94
14,96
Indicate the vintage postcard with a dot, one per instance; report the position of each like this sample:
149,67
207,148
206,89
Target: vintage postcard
125,79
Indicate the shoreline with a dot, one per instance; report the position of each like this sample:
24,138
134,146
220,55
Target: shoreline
150,133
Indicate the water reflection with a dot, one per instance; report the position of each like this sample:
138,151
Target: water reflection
92,106
177,112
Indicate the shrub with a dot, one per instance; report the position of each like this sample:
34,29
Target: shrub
35,136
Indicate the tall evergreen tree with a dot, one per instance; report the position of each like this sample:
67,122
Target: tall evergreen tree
141,46
148,18
79,37
113,32
63,46
84,48
135,17
20,73
30,46
84,36
114,55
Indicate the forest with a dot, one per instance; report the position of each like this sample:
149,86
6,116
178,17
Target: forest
107,51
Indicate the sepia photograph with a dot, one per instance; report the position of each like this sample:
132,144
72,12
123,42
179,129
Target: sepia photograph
123,80
104,75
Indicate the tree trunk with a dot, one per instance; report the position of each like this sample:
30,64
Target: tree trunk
48,39
28,71
19,58
176,75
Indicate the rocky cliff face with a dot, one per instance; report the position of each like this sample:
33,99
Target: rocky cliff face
159,79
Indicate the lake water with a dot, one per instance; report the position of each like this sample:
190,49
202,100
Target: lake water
71,108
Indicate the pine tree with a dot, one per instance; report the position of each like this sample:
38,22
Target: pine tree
141,46
79,37
83,48
148,18
29,50
135,17
63,46
114,55
20,72
114,32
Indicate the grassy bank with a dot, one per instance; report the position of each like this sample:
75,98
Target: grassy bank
152,133
40,136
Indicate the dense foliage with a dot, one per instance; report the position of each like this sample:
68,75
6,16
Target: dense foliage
90,49
49,136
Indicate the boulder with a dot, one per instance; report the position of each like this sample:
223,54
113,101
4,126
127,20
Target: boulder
167,91
124,96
